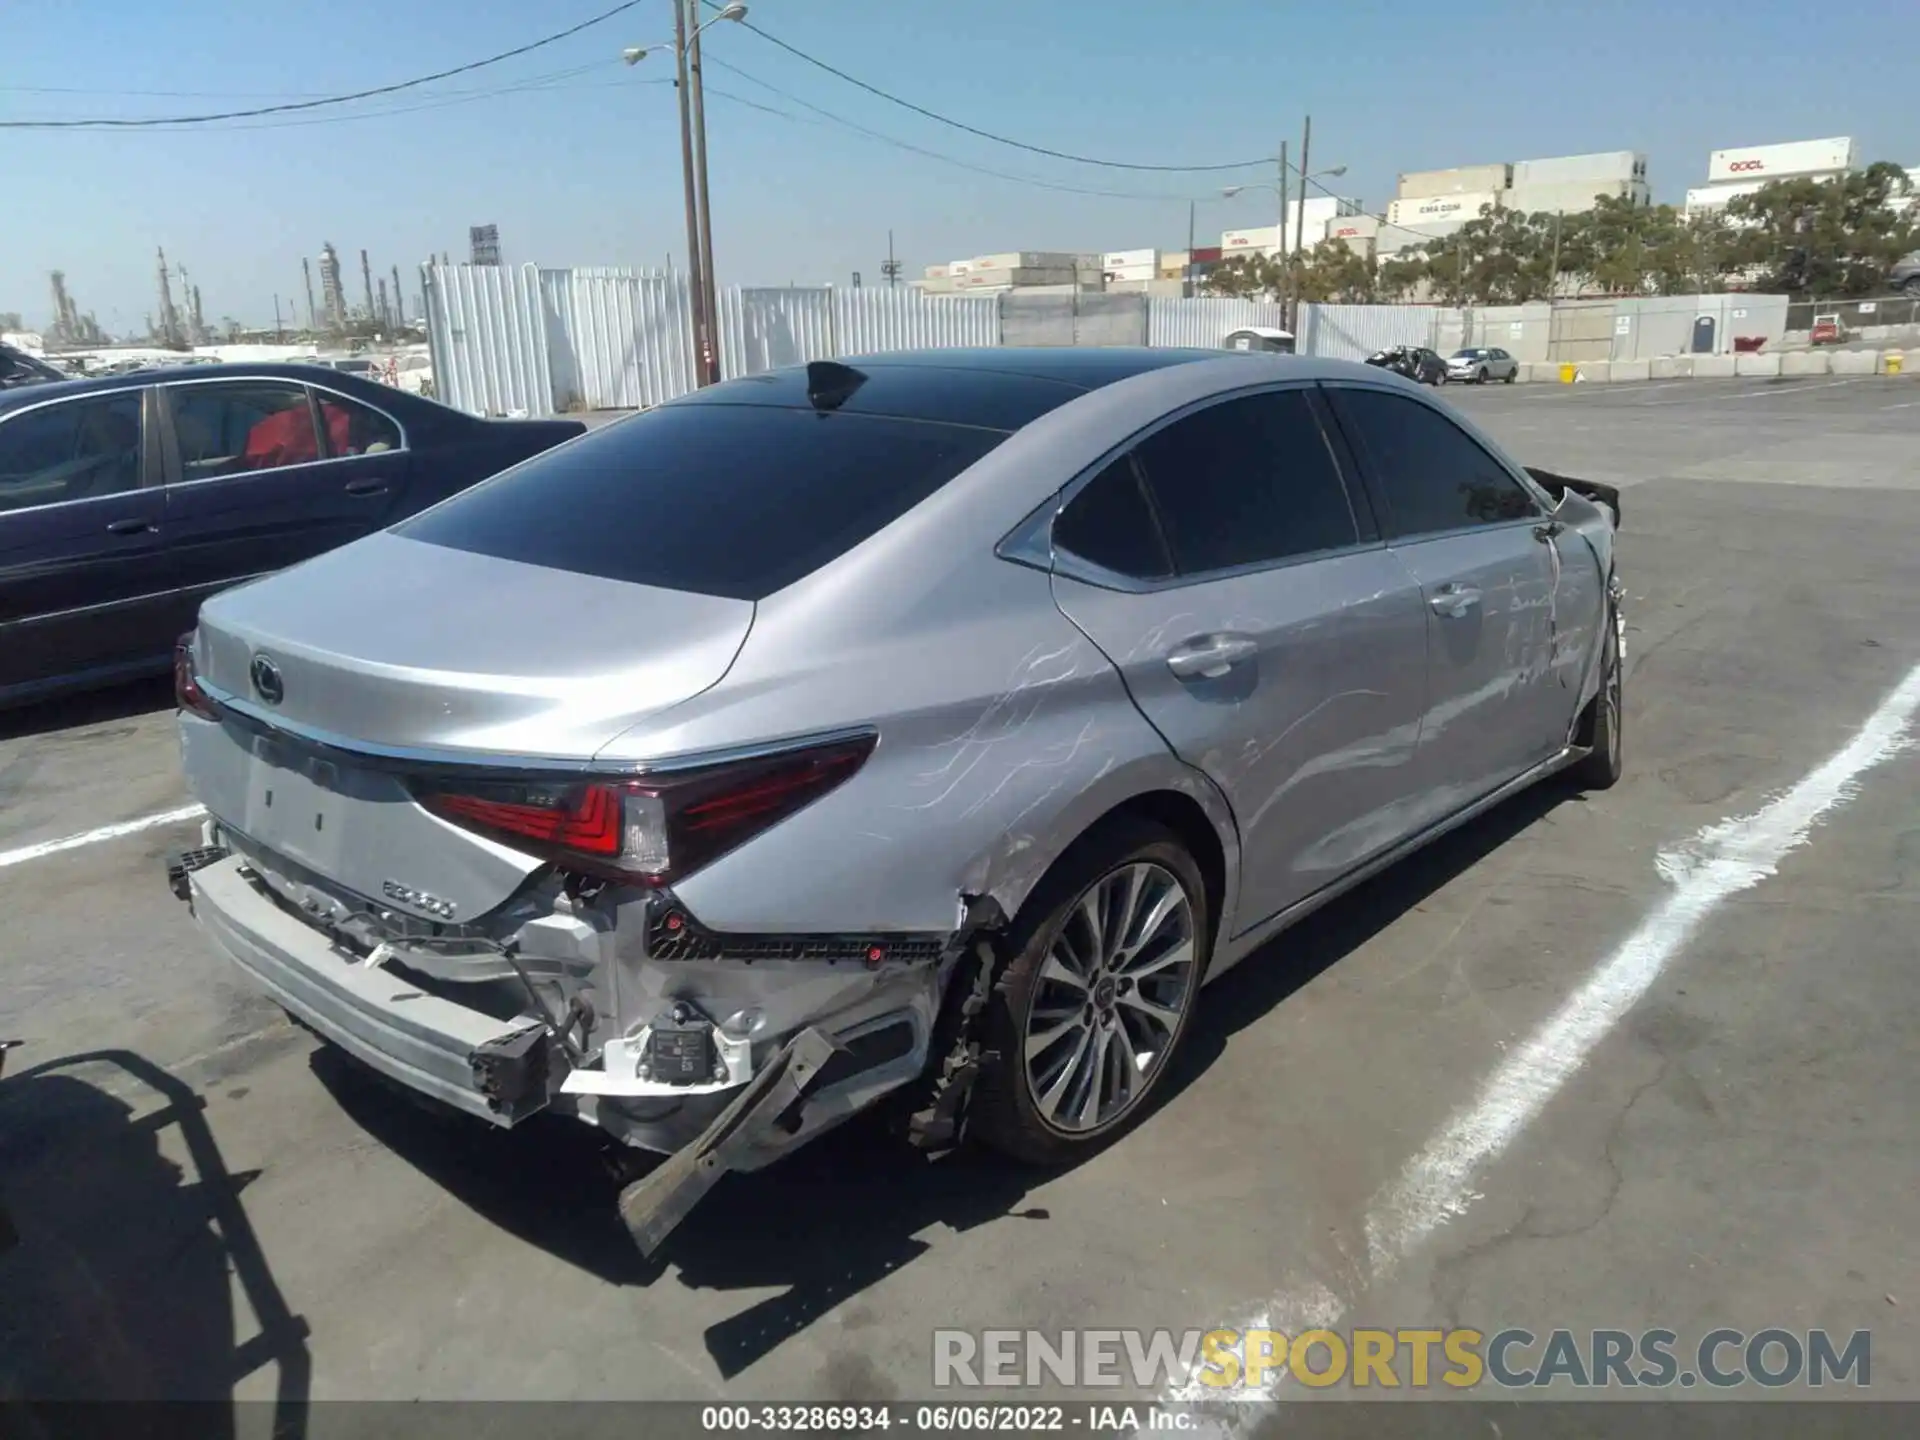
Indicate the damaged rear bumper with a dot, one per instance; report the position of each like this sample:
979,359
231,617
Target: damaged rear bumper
503,1067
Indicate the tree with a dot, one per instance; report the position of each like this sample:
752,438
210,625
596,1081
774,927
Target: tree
10,320
1824,238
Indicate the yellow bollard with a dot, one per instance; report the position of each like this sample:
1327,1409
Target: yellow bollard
1892,360
1567,373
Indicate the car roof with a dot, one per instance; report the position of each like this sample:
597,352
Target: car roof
341,380
999,388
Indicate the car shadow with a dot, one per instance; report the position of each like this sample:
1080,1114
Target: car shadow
119,1268
858,1204
89,707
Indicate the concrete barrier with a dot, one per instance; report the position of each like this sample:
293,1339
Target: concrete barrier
1632,370
1855,362
1665,367
1806,362
1541,372
1713,367
1756,365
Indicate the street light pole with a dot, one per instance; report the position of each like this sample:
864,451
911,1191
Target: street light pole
712,316
696,283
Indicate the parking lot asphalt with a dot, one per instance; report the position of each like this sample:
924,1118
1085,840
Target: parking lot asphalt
1559,1070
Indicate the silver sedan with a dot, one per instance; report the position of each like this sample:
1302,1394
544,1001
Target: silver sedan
925,727
1476,365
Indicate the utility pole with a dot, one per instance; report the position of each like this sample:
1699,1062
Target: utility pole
706,208
892,268
695,281
277,334
1299,225
1280,234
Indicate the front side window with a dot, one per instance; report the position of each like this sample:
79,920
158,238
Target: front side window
1434,476
73,450
1245,482
230,427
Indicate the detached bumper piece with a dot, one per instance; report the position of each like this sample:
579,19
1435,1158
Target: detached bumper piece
654,1205
185,862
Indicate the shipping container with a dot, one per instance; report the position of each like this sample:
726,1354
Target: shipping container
1353,227
1394,238
1022,275
1778,162
1440,207
1025,260
1241,242
1114,259
1570,198
1607,165
959,267
1118,273
1463,180
936,272
1206,255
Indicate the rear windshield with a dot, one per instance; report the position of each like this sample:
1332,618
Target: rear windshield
730,500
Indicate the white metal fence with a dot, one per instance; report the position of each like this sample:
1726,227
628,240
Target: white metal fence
533,341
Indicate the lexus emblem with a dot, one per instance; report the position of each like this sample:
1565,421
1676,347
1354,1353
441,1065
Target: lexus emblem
267,683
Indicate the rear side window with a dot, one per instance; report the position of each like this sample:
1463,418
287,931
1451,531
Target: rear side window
1434,476
730,500
1110,524
1246,482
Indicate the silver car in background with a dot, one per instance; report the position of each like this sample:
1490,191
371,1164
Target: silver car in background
1477,364
925,726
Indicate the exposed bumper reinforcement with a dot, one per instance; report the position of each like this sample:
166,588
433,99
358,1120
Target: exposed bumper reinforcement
426,1043
652,1206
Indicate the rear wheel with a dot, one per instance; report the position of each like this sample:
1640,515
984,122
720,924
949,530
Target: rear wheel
1107,960
1603,765
1511,376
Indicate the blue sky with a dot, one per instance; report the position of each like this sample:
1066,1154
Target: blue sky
579,164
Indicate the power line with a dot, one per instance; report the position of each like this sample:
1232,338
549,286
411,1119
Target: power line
987,134
158,120
916,149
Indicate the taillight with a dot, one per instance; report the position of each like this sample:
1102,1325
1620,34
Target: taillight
648,831
187,693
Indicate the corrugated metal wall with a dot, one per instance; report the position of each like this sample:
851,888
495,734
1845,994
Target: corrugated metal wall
764,327
1353,332
616,339
1205,322
486,329
868,321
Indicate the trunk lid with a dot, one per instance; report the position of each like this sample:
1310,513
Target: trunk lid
388,647
396,644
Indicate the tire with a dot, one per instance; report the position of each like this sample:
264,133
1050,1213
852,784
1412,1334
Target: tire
1603,765
1043,1109
1480,376
1511,376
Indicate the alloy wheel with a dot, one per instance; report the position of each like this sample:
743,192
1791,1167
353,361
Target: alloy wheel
1110,998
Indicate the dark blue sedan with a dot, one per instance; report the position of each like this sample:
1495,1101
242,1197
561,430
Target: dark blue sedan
126,501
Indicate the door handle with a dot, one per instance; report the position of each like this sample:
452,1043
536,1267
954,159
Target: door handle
131,527
1453,601
1211,656
366,487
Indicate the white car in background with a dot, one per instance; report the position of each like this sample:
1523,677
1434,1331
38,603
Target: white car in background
414,374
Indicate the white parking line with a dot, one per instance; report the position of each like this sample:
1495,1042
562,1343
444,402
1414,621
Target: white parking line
94,837
1720,861
1903,405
